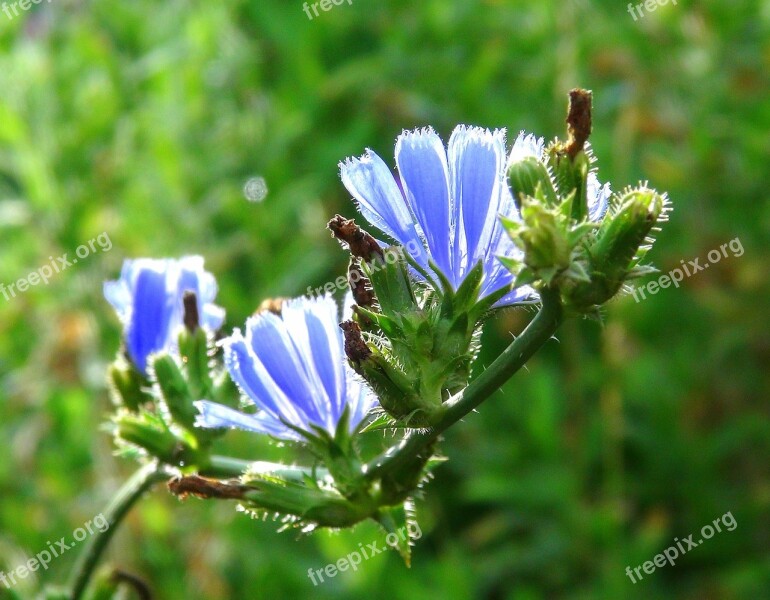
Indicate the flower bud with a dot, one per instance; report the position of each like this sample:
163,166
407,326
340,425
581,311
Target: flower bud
571,174
618,247
389,277
542,238
395,389
529,177
196,364
146,432
126,385
174,391
309,505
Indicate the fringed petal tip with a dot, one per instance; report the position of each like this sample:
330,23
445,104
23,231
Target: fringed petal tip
598,197
526,145
474,134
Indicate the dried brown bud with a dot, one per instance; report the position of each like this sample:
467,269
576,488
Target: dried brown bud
360,285
578,120
191,318
360,243
204,487
355,346
273,305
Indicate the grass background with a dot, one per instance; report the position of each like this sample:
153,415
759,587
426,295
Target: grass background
145,119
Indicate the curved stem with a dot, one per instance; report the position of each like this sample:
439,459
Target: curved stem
133,489
539,331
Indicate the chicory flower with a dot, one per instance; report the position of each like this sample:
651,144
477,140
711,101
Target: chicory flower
149,297
293,368
444,209
445,205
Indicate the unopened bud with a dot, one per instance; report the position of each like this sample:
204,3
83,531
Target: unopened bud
174,391
620,239
126,385
530,177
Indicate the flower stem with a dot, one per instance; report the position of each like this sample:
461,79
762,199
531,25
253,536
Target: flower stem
539,331
141,481
224,467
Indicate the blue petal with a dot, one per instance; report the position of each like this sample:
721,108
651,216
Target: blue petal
380,200
497,275
274,349
422,165
294,369
119,296
521,295
360,399
192,277
212,317
476,164
314,329
499,244
598,197
255,383
150,315
212,416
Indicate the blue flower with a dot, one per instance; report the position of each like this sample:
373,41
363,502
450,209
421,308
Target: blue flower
445,205
294,370
444,210
148,298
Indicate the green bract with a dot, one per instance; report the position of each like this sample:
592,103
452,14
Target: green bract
422,340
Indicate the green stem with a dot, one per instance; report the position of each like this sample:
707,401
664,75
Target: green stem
539,331
224,467
141,481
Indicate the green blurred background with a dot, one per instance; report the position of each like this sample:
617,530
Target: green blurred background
145,120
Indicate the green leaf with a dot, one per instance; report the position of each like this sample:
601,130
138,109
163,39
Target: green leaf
401,527
468,293
391,283
525,277
446,285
